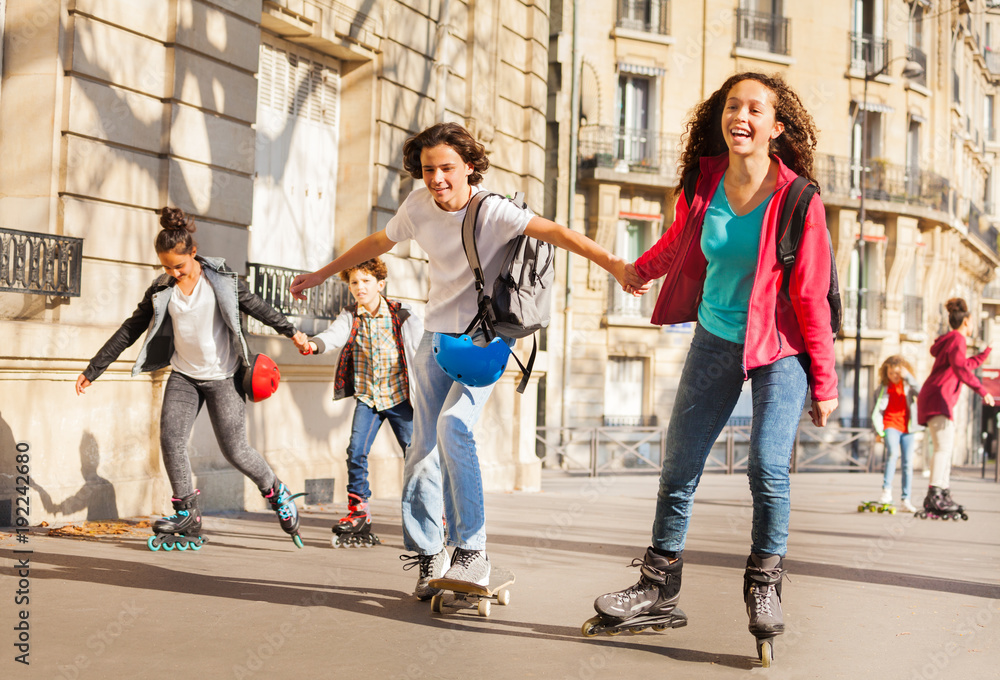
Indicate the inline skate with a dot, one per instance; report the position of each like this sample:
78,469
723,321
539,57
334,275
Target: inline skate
283,503
355,528
650,603
762,595
181,530
938,504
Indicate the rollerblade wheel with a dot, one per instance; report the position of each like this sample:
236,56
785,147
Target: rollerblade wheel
153,543
635,630
297,540
660,627
589,627
965,517
335,541
436,603
765,652
613,631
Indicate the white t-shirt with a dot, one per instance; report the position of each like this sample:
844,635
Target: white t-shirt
203,349
452,301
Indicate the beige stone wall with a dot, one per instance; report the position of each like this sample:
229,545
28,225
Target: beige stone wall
114,108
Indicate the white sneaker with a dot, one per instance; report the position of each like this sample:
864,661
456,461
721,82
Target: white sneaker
886,497
906,505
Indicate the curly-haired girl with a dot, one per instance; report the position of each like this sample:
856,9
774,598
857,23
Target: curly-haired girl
894,419
938,396
745,145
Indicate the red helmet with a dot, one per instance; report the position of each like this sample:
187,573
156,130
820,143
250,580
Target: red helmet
261,379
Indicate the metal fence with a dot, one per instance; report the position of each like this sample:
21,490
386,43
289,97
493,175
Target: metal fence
762,31
841,177
628,150
868,53
40,264
321,306
597,450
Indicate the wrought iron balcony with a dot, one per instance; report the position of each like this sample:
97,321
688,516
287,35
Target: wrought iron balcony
841,177
631,421
40,264
981,228
919,56
762,31
321,306
913,313
872,310
868,53
648,16
628,150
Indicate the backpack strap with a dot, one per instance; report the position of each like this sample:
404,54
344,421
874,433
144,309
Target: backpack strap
793,224
485,314
690,182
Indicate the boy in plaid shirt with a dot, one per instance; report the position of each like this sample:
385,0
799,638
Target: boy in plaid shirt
375,337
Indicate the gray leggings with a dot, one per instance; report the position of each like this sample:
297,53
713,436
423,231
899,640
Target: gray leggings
182,400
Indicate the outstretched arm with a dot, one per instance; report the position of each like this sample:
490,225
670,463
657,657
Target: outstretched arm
367,248
575,242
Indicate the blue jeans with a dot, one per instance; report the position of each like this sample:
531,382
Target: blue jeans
896,442
441,472
709,388
367,422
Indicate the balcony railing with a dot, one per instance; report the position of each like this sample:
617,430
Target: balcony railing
622,304
981,227
841,177
630,421
868,53
628,150
321,306
913,313
40,264
648,16
762,31
872,310
918,55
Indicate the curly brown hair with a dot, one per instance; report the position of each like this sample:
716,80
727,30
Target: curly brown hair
176,235
375,266
455,136
795,146
895,361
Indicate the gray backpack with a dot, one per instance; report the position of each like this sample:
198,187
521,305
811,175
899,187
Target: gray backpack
515,289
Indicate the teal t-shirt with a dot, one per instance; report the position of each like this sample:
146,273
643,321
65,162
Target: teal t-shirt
730,245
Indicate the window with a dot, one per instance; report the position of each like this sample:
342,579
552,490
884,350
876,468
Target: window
989,115
648,16
635,141
915,47
633,239
869,48
761,26
624,391
872,296
913,158
867,147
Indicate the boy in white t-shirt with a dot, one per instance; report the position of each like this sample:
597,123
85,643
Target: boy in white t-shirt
441,472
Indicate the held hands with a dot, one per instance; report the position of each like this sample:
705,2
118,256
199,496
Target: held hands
301,341
82,384
821,410
629,279
310,348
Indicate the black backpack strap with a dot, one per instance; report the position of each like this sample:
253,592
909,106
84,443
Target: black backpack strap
690,183
793,219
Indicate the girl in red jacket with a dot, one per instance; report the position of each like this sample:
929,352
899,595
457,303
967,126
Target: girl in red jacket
938,396
746,143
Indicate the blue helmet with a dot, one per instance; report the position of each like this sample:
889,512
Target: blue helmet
469,363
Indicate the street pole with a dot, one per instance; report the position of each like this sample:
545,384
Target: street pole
859,246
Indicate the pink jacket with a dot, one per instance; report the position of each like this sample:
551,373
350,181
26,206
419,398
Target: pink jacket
951,368
775,328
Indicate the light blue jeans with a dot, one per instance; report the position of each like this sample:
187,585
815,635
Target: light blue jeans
709,388
896,442
441,471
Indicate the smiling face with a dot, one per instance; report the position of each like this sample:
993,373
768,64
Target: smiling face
446,176
748,119
182,267
894,374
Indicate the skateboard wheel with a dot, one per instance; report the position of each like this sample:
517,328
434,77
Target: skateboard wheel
436,603
589,627
861,508
484,608
503,597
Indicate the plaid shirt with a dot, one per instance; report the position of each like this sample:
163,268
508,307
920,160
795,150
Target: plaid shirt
379,374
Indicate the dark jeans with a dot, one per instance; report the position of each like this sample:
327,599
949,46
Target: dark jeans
182,400
710,385
367,422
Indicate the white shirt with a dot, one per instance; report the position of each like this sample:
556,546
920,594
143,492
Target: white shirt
452,301
203,349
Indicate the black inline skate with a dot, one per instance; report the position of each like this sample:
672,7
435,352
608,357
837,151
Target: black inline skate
938,504
762,595
650,603
181,530
283,503
355,528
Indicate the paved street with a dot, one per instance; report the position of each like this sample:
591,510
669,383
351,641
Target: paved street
868,595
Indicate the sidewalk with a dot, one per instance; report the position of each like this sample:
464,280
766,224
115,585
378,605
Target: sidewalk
869,595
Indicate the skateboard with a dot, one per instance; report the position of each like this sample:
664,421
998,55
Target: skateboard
872,506
471,596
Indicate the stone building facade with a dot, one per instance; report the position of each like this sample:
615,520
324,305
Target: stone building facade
278,124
